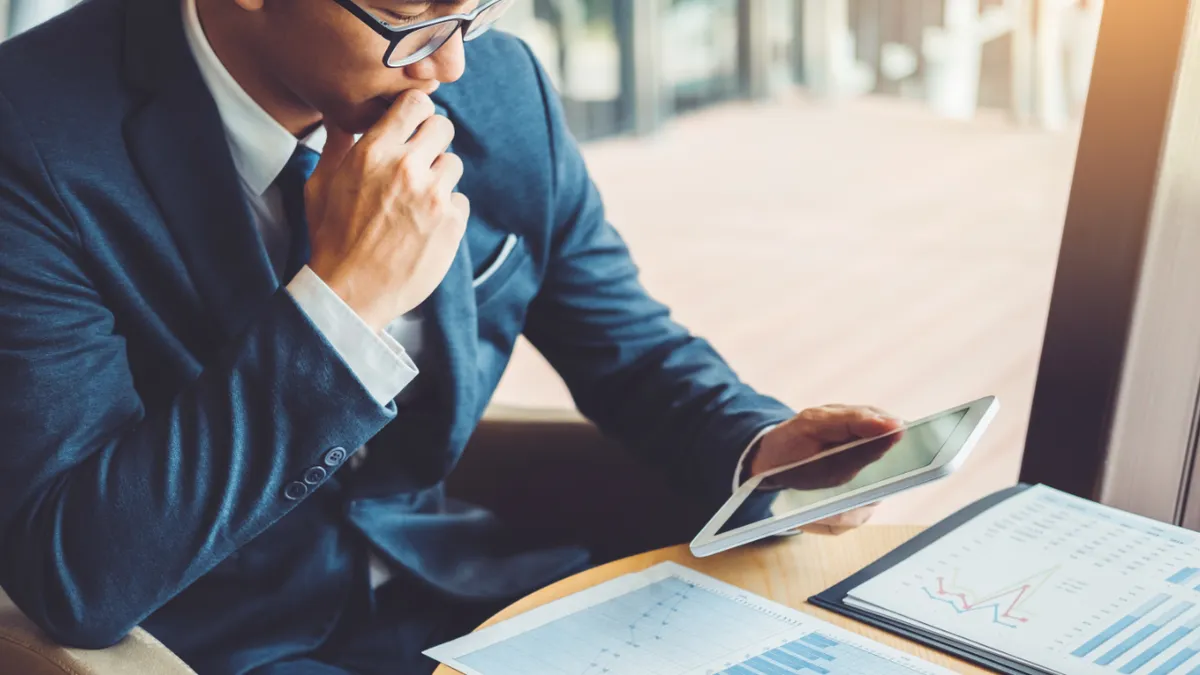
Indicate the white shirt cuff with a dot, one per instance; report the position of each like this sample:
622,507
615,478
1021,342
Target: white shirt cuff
379,362
741,465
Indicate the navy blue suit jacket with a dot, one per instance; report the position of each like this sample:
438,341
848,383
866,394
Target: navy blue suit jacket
159,392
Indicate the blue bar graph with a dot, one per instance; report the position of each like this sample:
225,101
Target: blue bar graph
767,668
800,649
788,659
1146,631
1129,643
1125,622
1179,659
815,654
1161,646
819,641
1184,575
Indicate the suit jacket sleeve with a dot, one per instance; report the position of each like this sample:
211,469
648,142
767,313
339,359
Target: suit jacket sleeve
642,377
106,511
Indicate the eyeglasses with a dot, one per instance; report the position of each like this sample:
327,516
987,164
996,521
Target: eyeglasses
410,44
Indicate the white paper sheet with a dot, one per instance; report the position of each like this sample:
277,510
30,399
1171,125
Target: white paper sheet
670,620
1059,582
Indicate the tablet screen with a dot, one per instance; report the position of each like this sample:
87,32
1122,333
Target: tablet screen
876,461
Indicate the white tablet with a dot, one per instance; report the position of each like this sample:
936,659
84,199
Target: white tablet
920,452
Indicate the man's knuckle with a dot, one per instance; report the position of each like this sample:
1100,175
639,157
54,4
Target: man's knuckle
408,169
417,103
462,204
442,125
371,154
452,162
438,202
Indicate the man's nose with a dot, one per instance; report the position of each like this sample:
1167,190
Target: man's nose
445,65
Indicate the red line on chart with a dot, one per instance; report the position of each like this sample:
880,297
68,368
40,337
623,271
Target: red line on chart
992,601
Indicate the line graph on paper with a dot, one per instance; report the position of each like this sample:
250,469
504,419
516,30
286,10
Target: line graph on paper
670,620
1003,605
645,629
665,628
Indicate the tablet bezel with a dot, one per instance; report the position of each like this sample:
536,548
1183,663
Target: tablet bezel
950,457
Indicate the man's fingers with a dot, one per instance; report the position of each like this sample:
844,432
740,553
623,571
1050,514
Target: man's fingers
830,470
872,426
460,202
448,168
431,140
407,114
837,469
854,518
843,522
839,424
834,431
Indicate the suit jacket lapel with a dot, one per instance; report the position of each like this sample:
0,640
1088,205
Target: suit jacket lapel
178,143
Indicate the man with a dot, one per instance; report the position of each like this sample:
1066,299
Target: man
200,323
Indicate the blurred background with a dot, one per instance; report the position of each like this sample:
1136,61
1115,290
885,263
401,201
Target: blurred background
855,201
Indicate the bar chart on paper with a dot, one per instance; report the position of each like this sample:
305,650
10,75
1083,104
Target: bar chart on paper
1158,636
1052,580
815,653
671,621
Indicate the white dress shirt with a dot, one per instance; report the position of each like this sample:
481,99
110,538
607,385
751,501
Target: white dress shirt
385,362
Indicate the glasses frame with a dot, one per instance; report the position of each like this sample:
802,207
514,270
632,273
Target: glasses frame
395,35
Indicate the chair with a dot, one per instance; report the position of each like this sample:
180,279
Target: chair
517,461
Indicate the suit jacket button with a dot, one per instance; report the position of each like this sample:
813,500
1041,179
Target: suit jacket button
315,475
335,457
294,492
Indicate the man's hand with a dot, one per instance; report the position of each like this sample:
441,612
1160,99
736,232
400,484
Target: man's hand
815,431
384,219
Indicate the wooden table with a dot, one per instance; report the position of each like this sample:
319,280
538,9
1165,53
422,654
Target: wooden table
788,571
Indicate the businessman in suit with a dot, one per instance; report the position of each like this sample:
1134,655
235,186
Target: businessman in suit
262,263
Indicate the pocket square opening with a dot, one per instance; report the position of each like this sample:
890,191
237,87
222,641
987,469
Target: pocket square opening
510,244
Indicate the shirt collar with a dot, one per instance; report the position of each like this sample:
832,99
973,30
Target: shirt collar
261,146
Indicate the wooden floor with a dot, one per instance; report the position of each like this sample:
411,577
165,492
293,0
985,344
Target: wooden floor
863,253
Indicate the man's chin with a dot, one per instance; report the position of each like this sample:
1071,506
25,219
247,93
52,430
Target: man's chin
360,119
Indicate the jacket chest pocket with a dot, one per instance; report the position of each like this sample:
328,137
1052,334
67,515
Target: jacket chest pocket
498,267
505,283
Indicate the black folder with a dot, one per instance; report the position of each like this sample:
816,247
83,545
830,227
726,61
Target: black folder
834,598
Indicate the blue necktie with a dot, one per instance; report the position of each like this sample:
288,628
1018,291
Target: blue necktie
291,184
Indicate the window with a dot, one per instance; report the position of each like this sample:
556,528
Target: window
880,226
